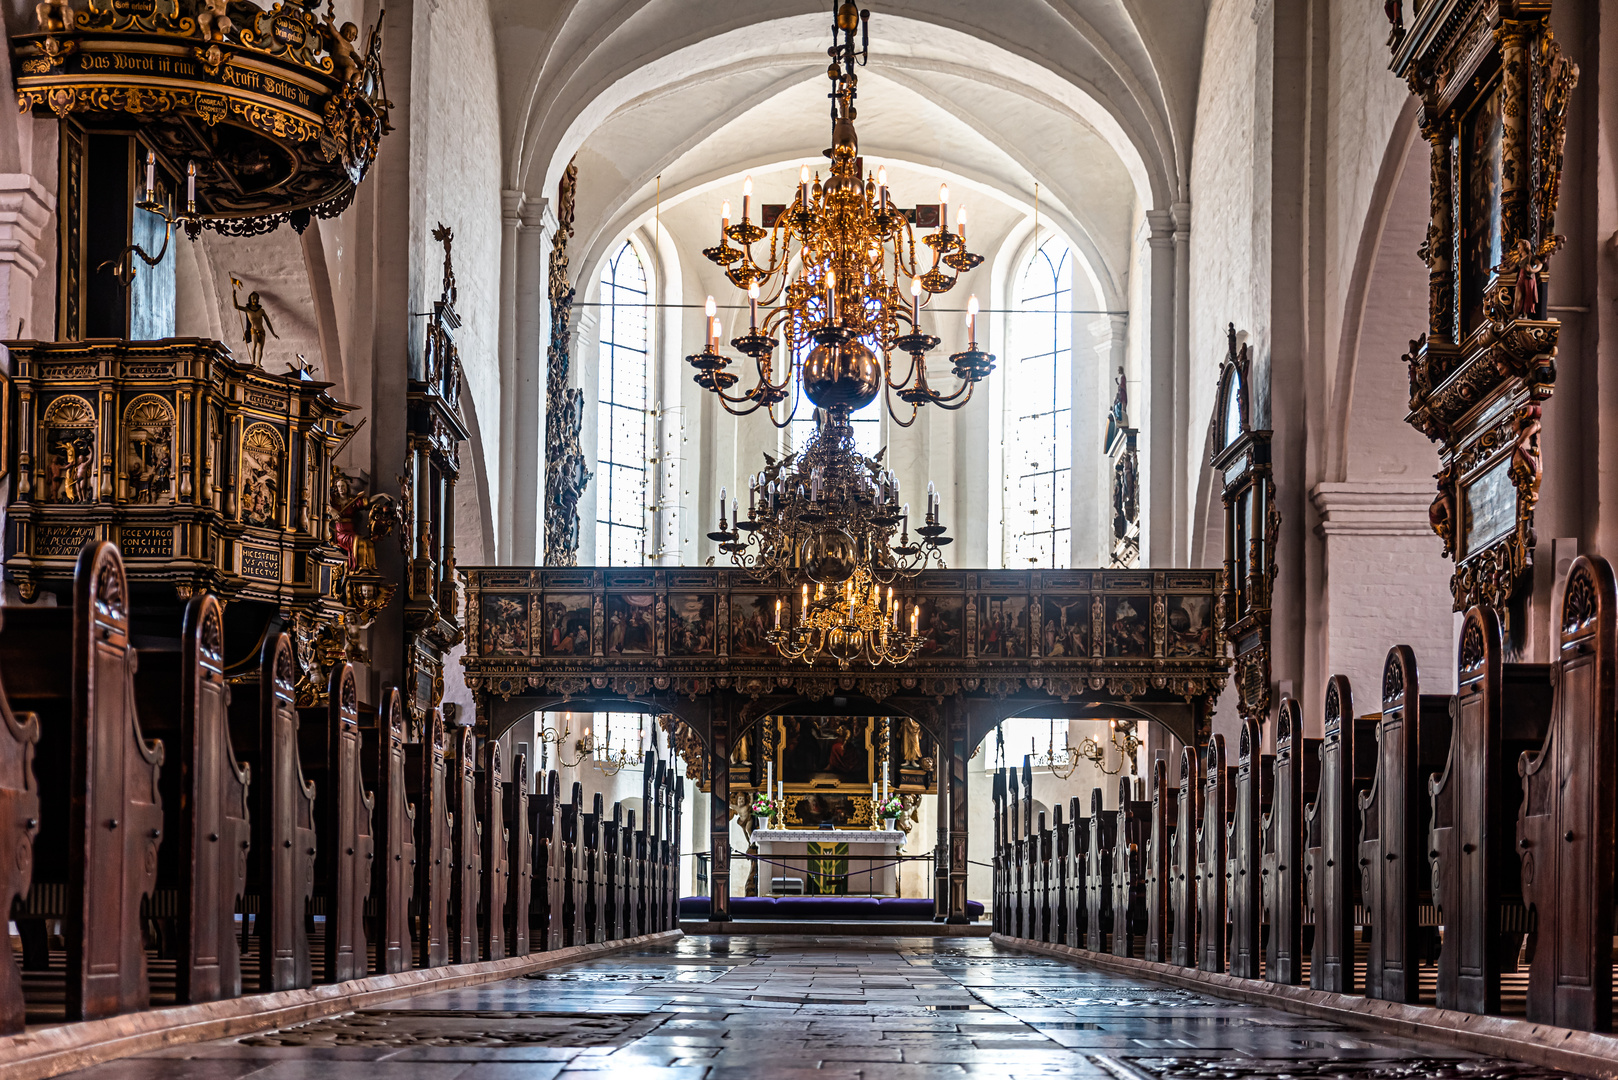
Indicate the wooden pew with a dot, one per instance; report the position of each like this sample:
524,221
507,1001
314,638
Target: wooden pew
626,902
1501,711
1395,815
496,847
1098,877
611,873
1347,757
101,814
672,906
1060,856
1565,828
1045,859
665,850
590,847
1015,850
19,821
997,888
1244,877
182,699
1185,893
466,877
1212,896
545,933
1078,831
393,877
1158,870
264,728
572,913
1030,852
330,746
1129,871
1297,780
519,859
427,782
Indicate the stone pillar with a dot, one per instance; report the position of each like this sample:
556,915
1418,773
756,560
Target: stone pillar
1183,439
392,337
511,204
1159,467
941,772
527,389
1383,567
25,211
719,815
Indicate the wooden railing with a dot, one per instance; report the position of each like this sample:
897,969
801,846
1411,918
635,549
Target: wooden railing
171,838
1425,854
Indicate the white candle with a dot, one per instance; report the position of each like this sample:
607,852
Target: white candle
721,508
151,174
831,296
943,207
915,306
769,777
972,319
778,618
882,185
803,186
747,197
710,310
752,304
960,224
191,187
781,790
724,218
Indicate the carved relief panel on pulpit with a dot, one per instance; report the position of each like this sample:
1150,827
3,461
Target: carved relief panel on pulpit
1494,89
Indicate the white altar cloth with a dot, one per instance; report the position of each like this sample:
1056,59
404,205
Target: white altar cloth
872,858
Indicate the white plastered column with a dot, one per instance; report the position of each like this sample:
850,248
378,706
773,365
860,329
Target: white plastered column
1386,583
528,224
25,211
1160,463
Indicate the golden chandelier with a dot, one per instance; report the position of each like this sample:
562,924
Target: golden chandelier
833,282
852,623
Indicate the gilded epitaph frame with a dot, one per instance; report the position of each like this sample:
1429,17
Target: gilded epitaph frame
1240,450
1494,89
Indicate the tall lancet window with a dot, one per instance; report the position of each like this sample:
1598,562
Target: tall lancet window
1039,412
622,426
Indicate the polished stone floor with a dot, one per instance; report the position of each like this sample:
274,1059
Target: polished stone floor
782,1007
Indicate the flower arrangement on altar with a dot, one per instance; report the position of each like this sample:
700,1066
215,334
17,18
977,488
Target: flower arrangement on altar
765,808
890,806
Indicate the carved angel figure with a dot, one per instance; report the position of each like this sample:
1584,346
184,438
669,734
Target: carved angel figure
213,20
55,16
345,58
358,518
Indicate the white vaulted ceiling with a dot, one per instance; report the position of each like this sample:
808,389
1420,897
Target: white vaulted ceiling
1090,99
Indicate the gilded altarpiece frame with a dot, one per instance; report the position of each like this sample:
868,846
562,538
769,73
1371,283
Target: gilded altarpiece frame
1494,89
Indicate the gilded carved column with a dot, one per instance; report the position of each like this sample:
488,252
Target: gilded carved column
565,471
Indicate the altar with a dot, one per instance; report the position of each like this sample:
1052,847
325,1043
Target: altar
828,862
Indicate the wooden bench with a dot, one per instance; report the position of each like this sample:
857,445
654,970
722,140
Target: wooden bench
1078,831
393,877
496,839
1502,710
331,748
1244,877
1098,873
19,821
427,782
572,909
466,877
1347,759
182,699
1565,828
545,926
1297,780
1184,894
594,915
1212,895
519,858
101,814
1395,814
1157,868
1129,871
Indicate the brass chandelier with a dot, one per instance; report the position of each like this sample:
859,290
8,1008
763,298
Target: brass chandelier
833,516
832,282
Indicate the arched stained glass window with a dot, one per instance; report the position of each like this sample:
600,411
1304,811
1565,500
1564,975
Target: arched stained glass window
622,428
1039,413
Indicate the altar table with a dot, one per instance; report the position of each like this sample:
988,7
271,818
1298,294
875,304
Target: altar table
818,858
